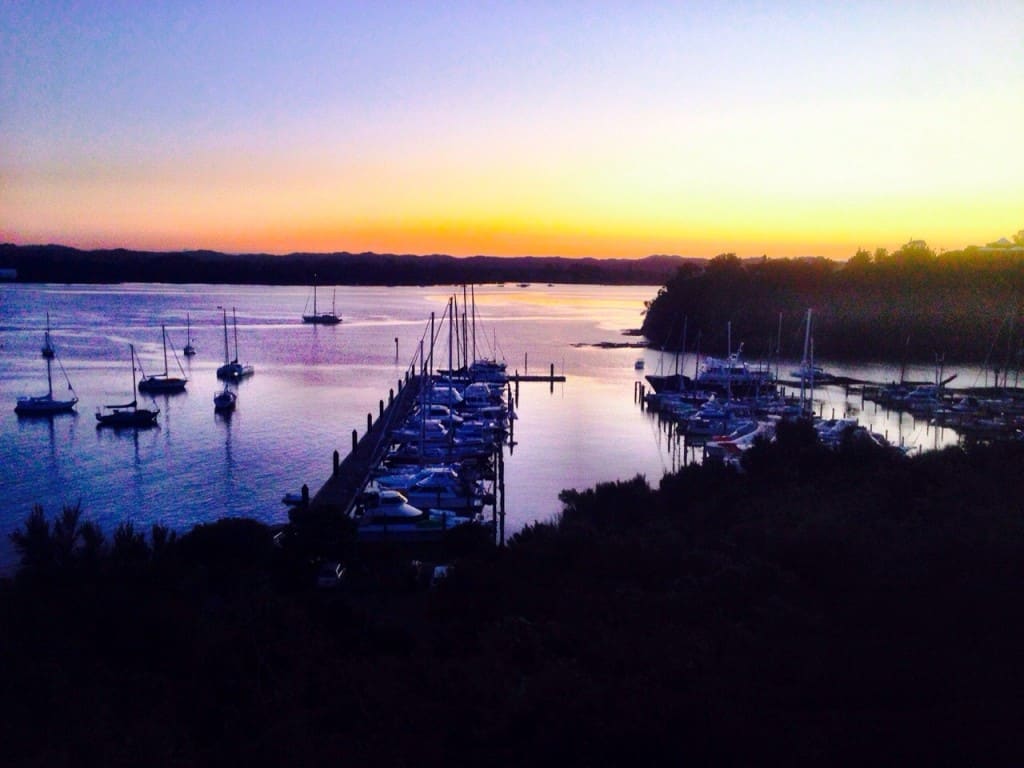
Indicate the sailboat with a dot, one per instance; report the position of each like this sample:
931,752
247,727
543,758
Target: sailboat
232,369
321,318
224,400
48,350
808,371
44,405
128,414
163,382
190,348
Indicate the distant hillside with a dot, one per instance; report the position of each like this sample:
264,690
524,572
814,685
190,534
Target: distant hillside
56,263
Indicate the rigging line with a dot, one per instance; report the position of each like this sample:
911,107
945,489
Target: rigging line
66,377
176,360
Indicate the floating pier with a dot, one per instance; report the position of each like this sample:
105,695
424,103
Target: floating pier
349,477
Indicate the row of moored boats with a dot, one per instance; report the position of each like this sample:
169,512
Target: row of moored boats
130,414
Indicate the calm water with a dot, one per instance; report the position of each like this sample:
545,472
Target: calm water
314,384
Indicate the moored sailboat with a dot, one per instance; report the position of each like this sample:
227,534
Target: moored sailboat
232,369
190,348
48,350
127,414
321,318
164,382
224,400
45,405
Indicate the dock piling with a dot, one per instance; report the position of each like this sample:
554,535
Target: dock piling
337,462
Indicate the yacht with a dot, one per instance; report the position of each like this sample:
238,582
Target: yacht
383,514
45,405
127,414
232,369
163,382
321,318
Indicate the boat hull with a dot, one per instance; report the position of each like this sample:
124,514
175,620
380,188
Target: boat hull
43,405
225,401
324,319
234,371
162,384
135,419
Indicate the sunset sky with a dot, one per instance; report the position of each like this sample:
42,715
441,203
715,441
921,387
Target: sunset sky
512,128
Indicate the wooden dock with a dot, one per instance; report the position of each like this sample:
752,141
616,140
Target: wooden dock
349,476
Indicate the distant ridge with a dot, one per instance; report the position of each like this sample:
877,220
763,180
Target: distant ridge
58,263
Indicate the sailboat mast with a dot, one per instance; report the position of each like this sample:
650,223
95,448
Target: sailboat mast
132,348
472,291
163,330
682,347
314,306
234,320
49,379
225,336
804,366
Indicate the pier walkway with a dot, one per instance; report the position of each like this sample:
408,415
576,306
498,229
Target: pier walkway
350,475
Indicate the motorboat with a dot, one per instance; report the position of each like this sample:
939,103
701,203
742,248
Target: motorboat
730,447
478,395
163,382
731,375
127,414
923,399
383,514
46,405
437,488
812,373
443,394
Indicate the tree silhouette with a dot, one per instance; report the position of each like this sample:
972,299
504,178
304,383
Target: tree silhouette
33,542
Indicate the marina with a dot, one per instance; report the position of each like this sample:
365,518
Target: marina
571,380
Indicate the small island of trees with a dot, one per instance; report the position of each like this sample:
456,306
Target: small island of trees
912,304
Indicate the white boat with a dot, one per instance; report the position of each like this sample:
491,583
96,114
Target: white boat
443,395
437,488
321,318
730,448
731,375
224,400
232,369
923,399
163,382
190,348
480,394
386,515
815,373
45,405
128,414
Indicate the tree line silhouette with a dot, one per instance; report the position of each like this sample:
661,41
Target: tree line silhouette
912,304
818,607
56,263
